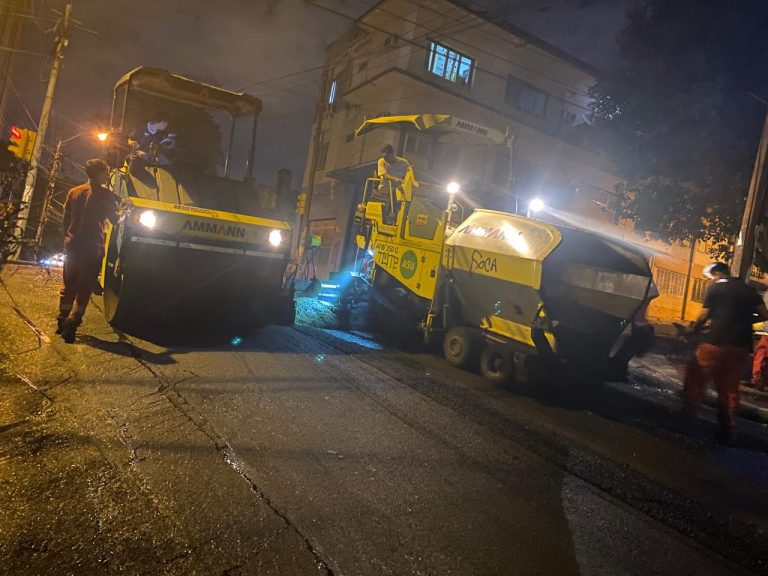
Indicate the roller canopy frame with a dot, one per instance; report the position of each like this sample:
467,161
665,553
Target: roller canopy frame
440,125
159,82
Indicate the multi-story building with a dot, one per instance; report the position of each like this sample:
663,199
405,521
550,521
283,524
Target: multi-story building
405,57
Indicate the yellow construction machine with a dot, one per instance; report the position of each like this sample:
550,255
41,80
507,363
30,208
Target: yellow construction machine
194,238
513,294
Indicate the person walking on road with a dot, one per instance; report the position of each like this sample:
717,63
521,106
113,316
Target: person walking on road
86,208
730,307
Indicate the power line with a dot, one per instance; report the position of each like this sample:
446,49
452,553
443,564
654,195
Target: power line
24,106
377,52
503,77
485,51
325,65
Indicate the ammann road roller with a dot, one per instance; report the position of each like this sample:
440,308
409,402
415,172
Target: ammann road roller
194,238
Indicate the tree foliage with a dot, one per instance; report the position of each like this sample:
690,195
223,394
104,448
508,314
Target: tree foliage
682,118
12,173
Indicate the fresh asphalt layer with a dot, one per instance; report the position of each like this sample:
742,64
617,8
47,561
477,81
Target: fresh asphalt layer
300,450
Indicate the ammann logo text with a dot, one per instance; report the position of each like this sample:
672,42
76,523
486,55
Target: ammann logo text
214,228
469,127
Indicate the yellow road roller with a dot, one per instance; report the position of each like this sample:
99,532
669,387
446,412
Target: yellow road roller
194,238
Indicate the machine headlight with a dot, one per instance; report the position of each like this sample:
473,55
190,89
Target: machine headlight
148,219
275,238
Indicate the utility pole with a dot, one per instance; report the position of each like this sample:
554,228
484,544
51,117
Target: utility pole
54,168
745,245
687,289
10,30
304,228
45,115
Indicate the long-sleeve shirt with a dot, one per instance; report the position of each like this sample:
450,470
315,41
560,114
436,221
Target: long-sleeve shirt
85,211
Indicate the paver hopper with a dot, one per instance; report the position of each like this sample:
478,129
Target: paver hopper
562,293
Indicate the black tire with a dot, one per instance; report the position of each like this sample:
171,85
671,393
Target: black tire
121,304
461,347
287,316
497,363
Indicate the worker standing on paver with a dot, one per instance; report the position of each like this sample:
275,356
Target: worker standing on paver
730,307
391,170
86,208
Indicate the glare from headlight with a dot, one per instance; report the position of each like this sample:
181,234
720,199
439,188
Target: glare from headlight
275,238
148,219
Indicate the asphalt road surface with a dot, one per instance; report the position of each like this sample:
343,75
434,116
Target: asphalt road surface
300,450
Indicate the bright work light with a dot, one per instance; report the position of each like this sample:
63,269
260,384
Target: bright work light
453,188
536,205
275,238
148,219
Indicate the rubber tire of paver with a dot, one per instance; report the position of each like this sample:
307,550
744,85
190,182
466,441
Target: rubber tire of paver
497,363
460,347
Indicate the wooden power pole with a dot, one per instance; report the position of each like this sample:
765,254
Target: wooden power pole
45,116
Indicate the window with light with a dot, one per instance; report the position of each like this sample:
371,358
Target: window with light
450,64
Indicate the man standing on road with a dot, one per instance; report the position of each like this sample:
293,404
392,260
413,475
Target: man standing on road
86,208
730,306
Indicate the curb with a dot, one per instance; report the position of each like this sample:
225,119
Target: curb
648,375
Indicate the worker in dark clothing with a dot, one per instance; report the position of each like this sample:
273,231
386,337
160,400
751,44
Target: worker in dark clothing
153,145
86,208
730,307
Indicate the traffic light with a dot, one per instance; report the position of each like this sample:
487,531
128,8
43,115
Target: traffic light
22,143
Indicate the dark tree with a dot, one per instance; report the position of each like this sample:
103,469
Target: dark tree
12,172
682,118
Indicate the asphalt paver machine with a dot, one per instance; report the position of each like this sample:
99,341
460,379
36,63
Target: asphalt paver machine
515,295
195,238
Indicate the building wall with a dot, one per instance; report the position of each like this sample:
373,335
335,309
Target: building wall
379,68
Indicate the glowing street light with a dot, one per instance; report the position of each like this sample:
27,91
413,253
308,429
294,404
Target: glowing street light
453,188
102,136
535,205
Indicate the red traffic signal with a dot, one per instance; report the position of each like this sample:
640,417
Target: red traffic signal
22,142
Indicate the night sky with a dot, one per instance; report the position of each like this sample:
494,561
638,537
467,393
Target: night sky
247,44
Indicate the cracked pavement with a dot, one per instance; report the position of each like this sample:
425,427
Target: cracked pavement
311,451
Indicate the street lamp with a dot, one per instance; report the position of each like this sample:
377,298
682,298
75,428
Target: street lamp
535,205
436,303
101,136
453,188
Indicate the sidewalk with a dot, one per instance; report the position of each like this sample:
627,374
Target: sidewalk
664,367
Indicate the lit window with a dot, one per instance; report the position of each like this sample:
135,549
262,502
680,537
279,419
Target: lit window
525,97
449,64
332,93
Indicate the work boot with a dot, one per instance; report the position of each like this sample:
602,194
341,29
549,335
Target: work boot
68,330
60,324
